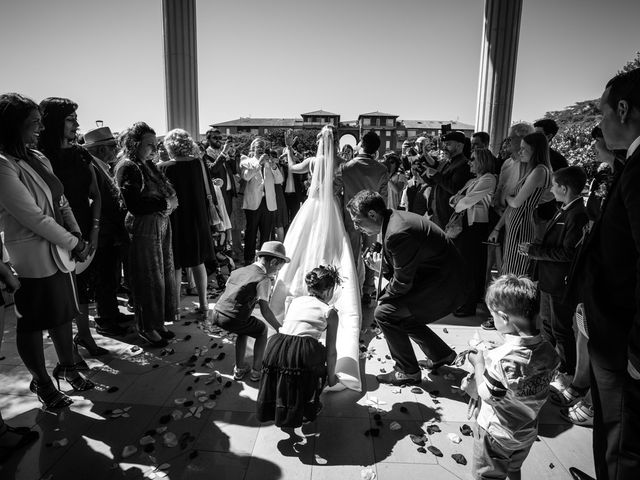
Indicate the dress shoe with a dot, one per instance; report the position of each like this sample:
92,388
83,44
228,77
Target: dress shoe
398,378
149,338
431,365
577,474
111,330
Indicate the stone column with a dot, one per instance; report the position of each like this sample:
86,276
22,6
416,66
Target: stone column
498,59
181,65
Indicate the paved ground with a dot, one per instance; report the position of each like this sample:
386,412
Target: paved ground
218,436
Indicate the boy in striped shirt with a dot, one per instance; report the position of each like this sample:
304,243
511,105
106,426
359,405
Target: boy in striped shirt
512,380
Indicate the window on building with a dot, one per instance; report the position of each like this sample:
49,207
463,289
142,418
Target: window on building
379,133
330,121
228,131
377,122
411,133
388,144
390,122
366,122
400,133
255,131
387,133
266,130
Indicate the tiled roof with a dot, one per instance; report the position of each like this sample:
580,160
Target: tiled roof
320,113
377,114
260,122
435,124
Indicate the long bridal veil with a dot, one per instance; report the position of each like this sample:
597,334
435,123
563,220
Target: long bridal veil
317,236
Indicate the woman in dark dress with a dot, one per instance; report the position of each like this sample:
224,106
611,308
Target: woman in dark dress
72,165
191,237
38,223
149,199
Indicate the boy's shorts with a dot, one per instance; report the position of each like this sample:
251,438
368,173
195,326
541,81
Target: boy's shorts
492,460
252,327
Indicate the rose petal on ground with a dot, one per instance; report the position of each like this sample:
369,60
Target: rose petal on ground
435,450
128,450
454,438
431,429
417,439
459,458
466,430
368,474
169,439
394,426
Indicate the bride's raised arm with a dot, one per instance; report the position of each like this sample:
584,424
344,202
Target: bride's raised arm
302,167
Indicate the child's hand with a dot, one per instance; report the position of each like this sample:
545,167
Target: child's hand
475,358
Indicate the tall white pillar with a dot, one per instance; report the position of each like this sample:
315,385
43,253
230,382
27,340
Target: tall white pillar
500,37
181,65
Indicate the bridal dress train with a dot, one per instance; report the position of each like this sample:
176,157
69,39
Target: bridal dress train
316,237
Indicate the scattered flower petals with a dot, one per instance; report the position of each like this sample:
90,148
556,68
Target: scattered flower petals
417,390
466,430
422,450
169,439
431,429
454,438
418,439
147,440
368,474
63,442
435,450
396,390
180,401
459,458
176,414
128,450
394,426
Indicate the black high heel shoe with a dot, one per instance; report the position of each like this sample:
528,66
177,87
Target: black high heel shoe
50,397
94,351
154,343
72,377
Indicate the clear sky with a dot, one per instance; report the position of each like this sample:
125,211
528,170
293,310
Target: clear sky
418,59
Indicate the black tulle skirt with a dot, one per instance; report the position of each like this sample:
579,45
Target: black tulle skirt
294,372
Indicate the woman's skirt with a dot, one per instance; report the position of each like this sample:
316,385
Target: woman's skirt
44,303
294,372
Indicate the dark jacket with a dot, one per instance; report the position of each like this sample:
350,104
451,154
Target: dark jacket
221,167
449,179
558,248
608,267
557,160
424,269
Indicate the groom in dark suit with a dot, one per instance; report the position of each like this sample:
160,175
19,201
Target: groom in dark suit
425,273
609,267
363,172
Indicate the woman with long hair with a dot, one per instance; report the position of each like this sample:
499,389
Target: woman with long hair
317,236
72,164
190,231
517,219
39,229
149,199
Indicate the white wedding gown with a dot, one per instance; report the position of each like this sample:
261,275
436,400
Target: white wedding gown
316,237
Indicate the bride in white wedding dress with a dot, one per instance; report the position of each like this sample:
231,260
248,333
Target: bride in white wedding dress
316,237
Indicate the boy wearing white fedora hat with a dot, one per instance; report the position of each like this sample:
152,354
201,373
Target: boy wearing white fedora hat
246,287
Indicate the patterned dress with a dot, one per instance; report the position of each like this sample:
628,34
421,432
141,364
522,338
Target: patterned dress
519,227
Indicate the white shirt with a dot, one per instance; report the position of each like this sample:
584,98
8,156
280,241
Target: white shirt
306,317
514,387
633,147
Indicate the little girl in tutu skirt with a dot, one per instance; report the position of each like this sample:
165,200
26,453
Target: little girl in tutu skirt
296,365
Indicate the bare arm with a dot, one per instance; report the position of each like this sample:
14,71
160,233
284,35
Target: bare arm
332,355
535,180
268,315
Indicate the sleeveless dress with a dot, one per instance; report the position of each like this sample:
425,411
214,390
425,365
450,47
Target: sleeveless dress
294,369
520,227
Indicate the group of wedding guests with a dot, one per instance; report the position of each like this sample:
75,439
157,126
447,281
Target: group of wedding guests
445,220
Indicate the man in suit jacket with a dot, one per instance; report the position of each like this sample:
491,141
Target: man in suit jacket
425,274
259,202
553,256
220,163
363,172
608,265
448,178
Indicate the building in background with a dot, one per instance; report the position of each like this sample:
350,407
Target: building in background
392,131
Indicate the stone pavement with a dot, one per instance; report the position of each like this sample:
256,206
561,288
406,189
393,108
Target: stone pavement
149,392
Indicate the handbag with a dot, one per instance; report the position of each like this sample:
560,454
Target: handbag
214,219
454,225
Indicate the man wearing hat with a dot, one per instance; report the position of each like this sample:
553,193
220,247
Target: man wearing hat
246,287
113,239
450,176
